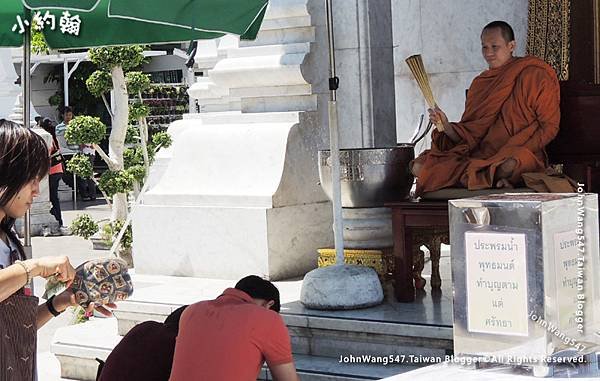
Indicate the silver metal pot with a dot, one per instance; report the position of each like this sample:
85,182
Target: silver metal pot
370,176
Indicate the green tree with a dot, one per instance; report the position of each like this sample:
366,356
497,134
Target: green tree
112,63
127,166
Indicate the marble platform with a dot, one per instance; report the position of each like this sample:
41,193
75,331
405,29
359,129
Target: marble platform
319,338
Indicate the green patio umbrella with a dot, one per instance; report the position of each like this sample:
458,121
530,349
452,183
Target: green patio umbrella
70,24
124,22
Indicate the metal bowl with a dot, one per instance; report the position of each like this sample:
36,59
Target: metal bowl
370,177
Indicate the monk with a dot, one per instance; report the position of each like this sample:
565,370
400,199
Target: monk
511,114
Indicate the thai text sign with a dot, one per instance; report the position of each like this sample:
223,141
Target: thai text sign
496,283
567,277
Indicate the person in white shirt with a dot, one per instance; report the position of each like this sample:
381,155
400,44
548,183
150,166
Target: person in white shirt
68,151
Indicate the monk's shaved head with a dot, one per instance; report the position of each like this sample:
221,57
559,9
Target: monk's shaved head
507,31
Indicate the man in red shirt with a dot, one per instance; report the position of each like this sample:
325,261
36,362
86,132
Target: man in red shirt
229,338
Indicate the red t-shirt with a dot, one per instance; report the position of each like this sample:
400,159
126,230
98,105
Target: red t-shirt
228,339
58,168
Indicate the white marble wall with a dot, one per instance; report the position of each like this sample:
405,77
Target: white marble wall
446,34
8,89
364,64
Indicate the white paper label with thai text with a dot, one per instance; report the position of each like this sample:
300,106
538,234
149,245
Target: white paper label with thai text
565,257
496,281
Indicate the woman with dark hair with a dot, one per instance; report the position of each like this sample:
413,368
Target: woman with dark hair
23,163
54,175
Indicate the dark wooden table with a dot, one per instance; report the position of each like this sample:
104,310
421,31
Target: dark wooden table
406,216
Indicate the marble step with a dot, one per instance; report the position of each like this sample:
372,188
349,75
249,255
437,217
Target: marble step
281,49
319,337
78,346
422,328
237,117
315,368
78,361
328,336
65,193
335,336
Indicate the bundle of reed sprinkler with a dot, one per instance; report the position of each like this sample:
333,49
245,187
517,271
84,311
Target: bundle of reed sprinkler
415,63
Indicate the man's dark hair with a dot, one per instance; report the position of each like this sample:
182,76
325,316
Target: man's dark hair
49,127
259,288
67,109
507,31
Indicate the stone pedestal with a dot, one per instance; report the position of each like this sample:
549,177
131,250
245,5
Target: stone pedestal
238,192
239,197
368,241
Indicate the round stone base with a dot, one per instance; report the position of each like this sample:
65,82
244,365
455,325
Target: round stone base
341,287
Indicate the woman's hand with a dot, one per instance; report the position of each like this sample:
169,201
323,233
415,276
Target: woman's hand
67,299
58,266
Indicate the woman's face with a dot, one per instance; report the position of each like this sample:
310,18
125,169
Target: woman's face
21,202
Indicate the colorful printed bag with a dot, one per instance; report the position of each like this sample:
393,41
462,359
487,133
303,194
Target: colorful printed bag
102,281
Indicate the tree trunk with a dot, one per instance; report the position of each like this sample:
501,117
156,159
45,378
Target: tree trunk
143,127
117,136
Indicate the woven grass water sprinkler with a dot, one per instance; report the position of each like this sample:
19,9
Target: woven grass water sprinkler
415,63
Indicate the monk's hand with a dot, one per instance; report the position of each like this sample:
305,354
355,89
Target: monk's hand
437,116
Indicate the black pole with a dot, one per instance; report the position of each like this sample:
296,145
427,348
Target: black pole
26,88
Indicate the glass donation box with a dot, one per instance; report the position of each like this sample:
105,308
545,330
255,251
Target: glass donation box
526,274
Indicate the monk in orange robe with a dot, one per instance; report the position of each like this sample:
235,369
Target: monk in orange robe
511,114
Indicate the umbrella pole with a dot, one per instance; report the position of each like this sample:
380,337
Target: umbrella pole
334,147
339,287
26,88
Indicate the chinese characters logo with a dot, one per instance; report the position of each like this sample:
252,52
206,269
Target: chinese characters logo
68,24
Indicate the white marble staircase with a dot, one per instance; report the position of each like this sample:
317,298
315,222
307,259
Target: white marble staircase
319,338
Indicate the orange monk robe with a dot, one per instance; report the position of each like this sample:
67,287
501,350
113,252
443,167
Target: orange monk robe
511,112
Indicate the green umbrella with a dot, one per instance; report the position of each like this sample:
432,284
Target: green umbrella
122,22
10,12
225,16
78,5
